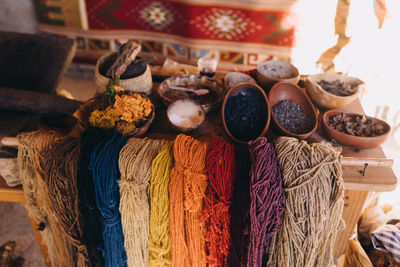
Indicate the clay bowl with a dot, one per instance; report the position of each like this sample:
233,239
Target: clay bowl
233,78
289,91
143,83
247,88
209,102
351,140
327,100
273,71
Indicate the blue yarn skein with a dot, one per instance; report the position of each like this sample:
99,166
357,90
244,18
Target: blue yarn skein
104,166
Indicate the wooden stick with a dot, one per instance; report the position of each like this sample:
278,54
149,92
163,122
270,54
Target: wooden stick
9,141
126,56
28,101
360,161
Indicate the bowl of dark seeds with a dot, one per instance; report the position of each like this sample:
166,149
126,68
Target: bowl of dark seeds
329,90
354,129
245,112
292,111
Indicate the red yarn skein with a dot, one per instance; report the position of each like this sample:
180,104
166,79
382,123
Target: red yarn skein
220,168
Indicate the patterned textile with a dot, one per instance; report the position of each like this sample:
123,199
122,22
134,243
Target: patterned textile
238,32
387,237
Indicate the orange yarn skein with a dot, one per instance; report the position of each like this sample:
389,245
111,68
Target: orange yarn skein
187,187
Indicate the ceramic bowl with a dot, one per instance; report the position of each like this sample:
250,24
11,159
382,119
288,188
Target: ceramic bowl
289,91
209,102
193,119
351,140
327,100
247,88
273,71
233,78
140,84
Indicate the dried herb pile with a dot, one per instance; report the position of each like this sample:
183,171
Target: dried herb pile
337,87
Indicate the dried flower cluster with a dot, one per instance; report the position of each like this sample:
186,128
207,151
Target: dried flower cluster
356,125
124,114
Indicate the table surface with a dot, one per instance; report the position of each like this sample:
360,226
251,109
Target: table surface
378,176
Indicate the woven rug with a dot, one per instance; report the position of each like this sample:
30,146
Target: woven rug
238,32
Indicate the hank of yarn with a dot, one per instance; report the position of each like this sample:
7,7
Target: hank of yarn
90,214
240,206
104,167
312,177
135,165
220,167
60,163
159,240
267,200
30,145
187,188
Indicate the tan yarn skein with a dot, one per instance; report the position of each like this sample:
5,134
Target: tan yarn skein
60,166
312,179
135,160
29,147
159,240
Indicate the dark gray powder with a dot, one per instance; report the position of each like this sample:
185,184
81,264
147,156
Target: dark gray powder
292,117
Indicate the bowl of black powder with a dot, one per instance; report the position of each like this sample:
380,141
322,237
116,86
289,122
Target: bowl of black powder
245,112
292,111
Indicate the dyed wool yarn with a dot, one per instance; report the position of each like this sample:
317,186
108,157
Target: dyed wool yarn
187,188
220,168
240,206
312,178
159,240
30,145
60,163
267,200
135,161
104,167
90,214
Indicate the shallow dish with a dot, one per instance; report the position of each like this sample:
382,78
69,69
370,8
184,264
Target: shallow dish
327,100
289,91
270,72
258,92
209,102
351,140
185,115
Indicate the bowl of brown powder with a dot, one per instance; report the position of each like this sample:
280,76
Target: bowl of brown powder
329,90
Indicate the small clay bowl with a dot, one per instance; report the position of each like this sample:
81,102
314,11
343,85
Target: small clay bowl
233,78
273,71
327,100
289,91
351,140
143,83
209,102
249,88
197,117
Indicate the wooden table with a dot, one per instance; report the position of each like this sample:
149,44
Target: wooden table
378,176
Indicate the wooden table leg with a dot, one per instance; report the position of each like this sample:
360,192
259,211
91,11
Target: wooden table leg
354,202
43,247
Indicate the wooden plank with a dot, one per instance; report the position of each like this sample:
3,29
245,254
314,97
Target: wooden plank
353,204
11,194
